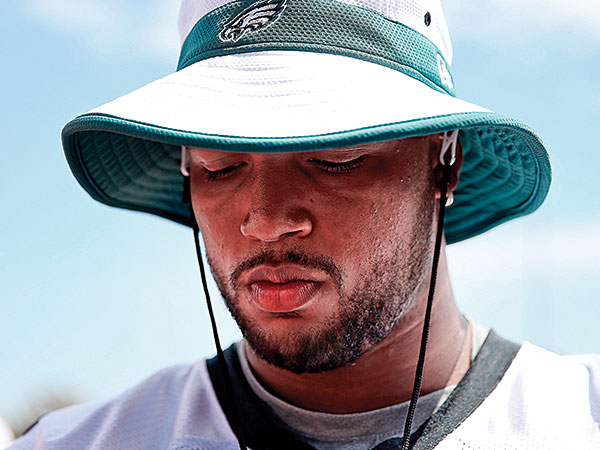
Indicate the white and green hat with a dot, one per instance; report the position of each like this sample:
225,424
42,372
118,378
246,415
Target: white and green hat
298,75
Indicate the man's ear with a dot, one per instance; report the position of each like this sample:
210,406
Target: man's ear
436,165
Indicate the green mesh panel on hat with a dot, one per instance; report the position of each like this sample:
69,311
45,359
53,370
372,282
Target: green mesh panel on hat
506,172
326,26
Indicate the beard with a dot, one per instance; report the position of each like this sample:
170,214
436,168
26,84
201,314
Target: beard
365,316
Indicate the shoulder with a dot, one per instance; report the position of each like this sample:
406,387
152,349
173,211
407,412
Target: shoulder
172,407
544,400
571,380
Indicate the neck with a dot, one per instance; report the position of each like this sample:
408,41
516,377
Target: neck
384,375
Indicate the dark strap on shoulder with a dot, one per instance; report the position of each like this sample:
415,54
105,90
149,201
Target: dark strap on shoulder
487,369
261,428
396,442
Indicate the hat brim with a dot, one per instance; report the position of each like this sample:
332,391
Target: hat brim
126,153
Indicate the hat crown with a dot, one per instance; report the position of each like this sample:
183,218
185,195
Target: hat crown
423,16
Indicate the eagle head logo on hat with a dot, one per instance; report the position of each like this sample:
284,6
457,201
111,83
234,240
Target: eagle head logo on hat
257,16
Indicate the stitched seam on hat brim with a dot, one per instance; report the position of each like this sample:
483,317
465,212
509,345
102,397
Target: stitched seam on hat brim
112,123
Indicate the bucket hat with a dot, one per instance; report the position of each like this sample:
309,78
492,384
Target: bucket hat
300,75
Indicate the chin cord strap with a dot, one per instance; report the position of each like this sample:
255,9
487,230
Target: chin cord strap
449,143
220,356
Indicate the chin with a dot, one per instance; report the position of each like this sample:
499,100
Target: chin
308,349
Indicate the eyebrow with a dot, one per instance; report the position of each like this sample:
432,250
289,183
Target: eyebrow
344,151
355,150
220,157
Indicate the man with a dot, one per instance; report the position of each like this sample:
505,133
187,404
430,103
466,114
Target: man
315,146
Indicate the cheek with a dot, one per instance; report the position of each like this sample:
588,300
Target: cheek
376,226
220,229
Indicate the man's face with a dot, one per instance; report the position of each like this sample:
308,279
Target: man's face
317,254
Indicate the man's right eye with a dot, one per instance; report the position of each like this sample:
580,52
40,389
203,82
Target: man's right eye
215,175
339,167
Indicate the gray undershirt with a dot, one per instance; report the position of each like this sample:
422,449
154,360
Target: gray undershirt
360,431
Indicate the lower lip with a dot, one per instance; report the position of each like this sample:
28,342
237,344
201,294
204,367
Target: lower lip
283,297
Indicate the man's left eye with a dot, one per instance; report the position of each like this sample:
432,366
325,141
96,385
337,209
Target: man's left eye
338,167
214,175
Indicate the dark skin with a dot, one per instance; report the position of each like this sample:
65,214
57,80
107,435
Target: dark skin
383,376
370,199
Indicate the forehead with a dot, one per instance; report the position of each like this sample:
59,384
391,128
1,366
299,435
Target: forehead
403,147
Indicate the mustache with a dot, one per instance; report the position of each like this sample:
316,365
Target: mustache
318,262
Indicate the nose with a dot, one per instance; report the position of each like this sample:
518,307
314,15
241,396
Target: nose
275,211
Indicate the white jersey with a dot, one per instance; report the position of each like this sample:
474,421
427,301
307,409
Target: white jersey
528,399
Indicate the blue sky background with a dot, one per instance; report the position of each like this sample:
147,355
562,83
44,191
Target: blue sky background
93,299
